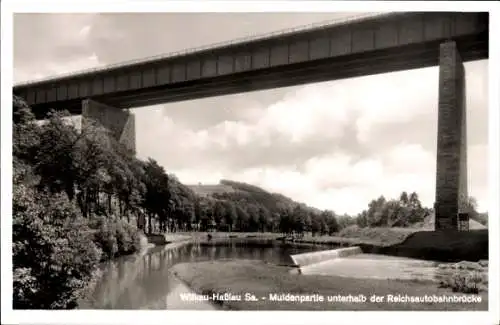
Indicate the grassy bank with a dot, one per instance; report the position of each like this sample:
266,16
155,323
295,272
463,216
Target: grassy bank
452,246
375,236
261,279
355,236
406,242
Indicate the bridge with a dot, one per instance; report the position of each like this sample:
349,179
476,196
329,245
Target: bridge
364,45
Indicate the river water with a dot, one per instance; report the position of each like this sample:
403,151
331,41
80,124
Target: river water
142,281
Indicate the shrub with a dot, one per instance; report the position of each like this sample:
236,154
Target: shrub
53,252
464,277
105,238
127,237
116,237
465,282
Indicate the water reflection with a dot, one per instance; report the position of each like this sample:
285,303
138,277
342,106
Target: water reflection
143,281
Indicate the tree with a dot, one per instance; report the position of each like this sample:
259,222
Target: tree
157,194
317,224
231,215
286,221
345,221
403,199
264,218
253,217
375,215
219,212
25,132
470,206
331,221
53,252
242,219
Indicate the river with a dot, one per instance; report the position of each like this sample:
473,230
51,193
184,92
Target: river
142,281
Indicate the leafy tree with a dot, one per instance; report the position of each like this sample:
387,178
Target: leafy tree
331,222
53,253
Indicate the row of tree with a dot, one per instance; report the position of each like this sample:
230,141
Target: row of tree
103,178
402,212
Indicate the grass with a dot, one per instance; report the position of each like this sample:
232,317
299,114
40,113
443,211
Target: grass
262,279
445,246
368,236
375,236
466,277
452,246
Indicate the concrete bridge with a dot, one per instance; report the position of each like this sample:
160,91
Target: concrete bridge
371,44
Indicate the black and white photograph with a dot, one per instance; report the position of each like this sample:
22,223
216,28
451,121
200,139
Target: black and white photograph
249,160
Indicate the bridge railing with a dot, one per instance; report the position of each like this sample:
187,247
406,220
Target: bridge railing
235,41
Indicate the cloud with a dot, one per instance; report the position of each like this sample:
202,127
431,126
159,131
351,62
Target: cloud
52,44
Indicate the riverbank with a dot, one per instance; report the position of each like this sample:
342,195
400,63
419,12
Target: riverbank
261,279
374,236
404,242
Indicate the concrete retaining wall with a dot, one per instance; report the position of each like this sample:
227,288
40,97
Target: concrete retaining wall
321,256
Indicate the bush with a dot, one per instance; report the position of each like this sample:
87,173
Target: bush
464,277
464,282
54,256
127,237
116,237
105,238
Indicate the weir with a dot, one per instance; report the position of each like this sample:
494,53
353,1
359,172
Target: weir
307,259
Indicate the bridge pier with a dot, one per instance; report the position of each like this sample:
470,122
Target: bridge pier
451,166
120,123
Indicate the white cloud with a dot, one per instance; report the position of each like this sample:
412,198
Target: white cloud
357,182
84,32
311,110
68,52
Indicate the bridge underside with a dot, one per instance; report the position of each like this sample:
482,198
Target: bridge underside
349,66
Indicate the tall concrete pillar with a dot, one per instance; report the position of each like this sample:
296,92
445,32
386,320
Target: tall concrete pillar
120,123
451,167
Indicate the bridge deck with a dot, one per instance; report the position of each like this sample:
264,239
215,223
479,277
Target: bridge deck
378,44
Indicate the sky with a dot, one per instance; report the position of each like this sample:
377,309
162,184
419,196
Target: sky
334,145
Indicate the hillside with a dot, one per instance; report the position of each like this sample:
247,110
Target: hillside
251,208
206,190
238,192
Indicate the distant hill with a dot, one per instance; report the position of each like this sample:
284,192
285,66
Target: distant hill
246,194
208,190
